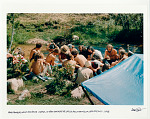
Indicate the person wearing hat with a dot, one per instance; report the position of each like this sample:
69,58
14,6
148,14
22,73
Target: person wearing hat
70,46
63,51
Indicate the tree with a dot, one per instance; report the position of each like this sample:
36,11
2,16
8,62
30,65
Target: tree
129,21
11,20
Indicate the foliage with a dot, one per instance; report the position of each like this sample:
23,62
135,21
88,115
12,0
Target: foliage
37,95
129,21
47,100
17,69
130,36
11,20
92,29
60,85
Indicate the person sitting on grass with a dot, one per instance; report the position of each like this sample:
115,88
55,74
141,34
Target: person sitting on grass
33,52
38,69
80,49
83,50
52,56
80,59
51,46
110,54
63,51
94,53
84,73
97,66
19,58
71,47
120,49
70,64
122,56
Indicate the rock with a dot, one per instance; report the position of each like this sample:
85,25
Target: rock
35,79
68,82
24,94
36,40
77,93
75,37
14,84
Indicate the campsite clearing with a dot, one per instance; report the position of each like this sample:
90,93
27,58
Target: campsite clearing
40,97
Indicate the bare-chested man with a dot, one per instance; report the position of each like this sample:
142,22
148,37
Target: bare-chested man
122,56
111,54
38,69
52,56
37,66
35,50
80,59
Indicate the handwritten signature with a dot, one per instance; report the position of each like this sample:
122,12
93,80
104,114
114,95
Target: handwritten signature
137,109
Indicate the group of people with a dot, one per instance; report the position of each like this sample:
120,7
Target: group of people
83,63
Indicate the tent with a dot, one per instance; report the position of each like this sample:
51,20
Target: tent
120,85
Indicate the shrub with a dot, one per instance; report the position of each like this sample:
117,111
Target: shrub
60,85
37,95
130,36
16,70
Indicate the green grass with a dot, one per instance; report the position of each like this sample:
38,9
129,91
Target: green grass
92,29
86,26
39,98
55,100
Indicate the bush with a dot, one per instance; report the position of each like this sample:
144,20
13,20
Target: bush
16,70
60,85
130,36
37,95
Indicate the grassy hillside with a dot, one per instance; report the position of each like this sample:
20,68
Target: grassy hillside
92,29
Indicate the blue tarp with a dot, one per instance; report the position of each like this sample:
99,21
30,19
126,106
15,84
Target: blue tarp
120,85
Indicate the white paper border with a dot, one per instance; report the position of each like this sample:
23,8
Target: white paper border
76,6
